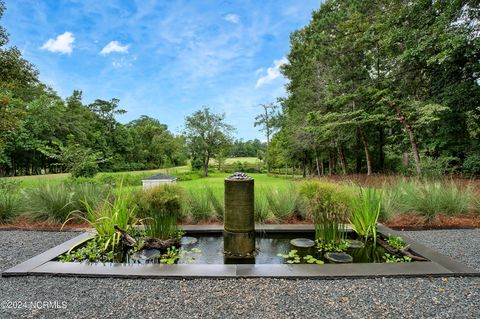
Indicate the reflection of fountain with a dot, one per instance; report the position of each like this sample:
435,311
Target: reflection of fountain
239,223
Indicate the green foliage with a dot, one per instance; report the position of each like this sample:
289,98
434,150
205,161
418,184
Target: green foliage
329,196
216,199
427,198
197,205
54,202
396,259
207,134
114,211
332,246
365,213
396,242
292,257
312,260
93,251
160,207
471,165
283,203
10,199
262,209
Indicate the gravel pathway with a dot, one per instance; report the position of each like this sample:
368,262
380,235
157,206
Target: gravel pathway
249,298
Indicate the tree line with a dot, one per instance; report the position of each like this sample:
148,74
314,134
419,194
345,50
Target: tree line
382,86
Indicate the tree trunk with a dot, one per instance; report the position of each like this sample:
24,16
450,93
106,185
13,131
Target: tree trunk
342,160
322,168
316,162
358,166
304,165
205,166
330,163
382,153
411,136
367,152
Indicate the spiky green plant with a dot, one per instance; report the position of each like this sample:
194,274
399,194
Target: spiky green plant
10,203
54,202
262,211
197,205
215,197
282,202
365,213
112,212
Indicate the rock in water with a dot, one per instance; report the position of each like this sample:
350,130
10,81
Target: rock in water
338,257
186,240
302,242
355,243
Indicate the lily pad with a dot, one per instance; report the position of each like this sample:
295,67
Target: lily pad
355,243
186,240
339,257
302,242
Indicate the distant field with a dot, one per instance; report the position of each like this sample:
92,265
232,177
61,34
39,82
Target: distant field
231,160
35,180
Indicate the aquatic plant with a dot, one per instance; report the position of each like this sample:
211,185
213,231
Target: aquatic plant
396,242
365,213
396,259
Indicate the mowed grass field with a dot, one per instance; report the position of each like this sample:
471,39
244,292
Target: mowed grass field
37,180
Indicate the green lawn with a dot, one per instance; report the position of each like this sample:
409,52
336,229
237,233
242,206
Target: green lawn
216,180
36,180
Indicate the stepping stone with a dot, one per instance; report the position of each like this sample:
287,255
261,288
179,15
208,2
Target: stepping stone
338,258
302,242
186,240
355,243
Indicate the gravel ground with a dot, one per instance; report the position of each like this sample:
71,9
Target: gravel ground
251,298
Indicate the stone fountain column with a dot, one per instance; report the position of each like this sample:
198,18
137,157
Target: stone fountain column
239,222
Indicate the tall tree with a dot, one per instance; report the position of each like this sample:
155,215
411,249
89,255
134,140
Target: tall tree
207,134
266,121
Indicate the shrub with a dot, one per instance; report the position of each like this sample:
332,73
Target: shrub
283,203
113,212
161,207
53,202
10,199
330,196
471,165
197,205
216,199
262,210
427,198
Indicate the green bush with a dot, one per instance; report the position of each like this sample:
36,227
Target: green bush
330,196
471,165
216,200
10,199
283,203
56,202
50,202
427,198
161,207
262,209
197,205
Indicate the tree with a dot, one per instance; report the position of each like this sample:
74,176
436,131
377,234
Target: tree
207,134
266,121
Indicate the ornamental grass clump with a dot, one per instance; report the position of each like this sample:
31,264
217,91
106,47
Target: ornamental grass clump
160,207
114,212
365,213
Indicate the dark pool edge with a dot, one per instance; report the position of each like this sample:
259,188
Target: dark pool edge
438,266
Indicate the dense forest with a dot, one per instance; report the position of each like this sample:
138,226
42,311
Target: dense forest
383,86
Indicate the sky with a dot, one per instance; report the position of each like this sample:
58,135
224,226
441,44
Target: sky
164,59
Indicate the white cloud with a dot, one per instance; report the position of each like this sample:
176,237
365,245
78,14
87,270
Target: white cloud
61,44
233,18
273,72
115,46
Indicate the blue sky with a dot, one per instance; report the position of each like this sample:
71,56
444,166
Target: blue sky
164,59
